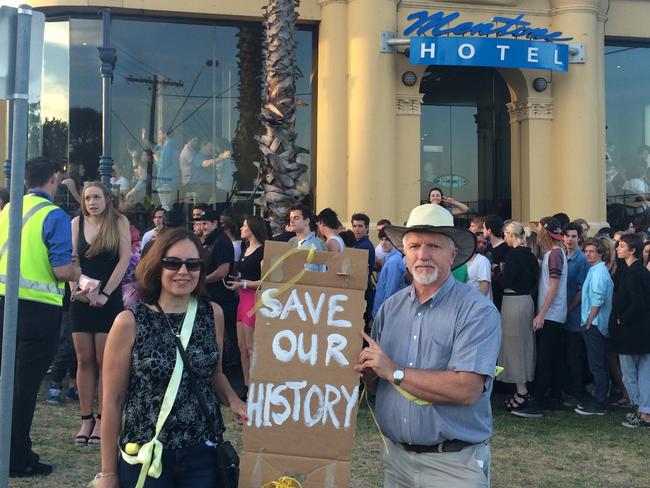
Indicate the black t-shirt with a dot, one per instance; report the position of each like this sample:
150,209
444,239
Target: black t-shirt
250,267
220,250
499,254
520,272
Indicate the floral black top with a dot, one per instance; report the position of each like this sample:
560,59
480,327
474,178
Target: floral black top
152,362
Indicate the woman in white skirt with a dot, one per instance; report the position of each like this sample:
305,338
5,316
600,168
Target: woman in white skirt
518,279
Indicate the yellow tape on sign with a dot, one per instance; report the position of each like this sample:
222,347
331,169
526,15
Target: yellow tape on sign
292,281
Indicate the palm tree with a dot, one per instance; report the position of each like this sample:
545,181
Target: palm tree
279,169
250,65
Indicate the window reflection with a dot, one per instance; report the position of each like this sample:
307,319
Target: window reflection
186,103
627,71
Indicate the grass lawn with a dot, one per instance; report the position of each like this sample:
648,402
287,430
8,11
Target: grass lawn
560,450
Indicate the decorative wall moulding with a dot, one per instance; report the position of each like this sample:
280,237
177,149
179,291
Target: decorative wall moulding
530,109
409,103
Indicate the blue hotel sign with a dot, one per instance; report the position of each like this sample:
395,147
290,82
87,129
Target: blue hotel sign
515,43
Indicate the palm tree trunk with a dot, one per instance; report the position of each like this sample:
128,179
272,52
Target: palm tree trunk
279,168
250,67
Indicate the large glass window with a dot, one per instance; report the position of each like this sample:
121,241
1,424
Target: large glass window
627,74
185,108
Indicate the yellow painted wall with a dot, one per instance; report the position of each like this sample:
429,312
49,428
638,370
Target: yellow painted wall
309,9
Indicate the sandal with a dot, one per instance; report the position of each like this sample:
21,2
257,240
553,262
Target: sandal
623,402
82,440
95,441
517,401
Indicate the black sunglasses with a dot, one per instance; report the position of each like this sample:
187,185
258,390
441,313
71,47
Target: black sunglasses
174,264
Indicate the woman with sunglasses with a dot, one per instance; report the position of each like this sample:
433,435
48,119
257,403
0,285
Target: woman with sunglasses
140,358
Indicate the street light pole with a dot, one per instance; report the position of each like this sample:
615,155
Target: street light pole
6,167
107,58
18,151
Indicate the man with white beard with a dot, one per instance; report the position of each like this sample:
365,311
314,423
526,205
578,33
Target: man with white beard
432,359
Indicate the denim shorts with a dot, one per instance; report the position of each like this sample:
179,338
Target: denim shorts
189,467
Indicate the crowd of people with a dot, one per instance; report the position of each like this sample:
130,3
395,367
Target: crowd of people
572,312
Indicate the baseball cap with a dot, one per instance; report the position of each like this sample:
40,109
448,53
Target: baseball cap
552,226
208,215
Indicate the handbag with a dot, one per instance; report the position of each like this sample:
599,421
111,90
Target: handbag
225,455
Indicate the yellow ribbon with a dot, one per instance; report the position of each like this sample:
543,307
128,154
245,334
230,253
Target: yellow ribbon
149,455
364,395
418,401
293,280
283,482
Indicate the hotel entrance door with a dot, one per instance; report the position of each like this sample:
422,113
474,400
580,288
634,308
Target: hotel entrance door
465,138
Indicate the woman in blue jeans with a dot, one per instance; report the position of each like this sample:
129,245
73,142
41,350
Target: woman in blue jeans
149,442
630,329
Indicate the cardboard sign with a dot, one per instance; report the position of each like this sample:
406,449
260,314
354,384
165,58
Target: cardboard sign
303,393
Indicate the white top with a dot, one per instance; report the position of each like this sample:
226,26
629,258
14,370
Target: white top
636,185
121,182
338,239
146,238
557,311
478,269
380,255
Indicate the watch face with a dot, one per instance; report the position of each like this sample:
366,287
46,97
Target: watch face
398,374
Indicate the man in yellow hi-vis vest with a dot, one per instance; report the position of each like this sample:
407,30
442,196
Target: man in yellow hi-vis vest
45,265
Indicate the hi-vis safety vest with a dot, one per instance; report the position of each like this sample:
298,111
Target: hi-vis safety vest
37,280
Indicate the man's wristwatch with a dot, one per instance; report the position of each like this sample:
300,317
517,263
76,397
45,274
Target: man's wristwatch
398,376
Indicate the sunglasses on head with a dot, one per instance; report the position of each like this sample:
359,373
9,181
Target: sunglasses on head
174,264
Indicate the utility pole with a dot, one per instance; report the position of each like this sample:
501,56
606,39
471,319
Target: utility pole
153,83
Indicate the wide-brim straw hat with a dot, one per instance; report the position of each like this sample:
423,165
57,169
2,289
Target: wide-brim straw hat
435,219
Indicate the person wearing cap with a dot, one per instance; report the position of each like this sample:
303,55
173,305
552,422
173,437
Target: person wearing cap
391,276
431,360
549,321
219,264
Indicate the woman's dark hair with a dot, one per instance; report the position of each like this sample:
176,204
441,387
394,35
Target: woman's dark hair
148,273
635,243
348,238
257,225
328,218
229,225
75,175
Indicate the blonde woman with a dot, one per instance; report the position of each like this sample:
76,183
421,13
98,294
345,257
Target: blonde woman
101,242
518,280
550,319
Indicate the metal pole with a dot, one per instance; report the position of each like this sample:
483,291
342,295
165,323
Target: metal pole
6,167
107,58
18,153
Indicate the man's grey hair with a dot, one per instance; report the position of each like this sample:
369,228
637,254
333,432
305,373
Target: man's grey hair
452,244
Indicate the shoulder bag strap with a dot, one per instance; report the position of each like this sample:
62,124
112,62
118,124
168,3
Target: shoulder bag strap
216,432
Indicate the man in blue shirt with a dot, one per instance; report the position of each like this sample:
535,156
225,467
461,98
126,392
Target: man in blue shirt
574,382
391,277
166,154
360,228
39,305
594,317
432,359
